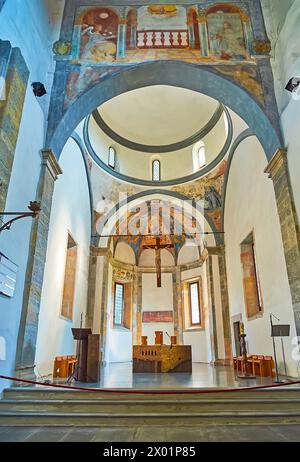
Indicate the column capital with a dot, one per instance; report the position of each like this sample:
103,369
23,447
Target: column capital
50,161
219,250
99,251
277,163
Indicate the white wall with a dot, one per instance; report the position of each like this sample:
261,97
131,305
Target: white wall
251,205
70,213
118,339
157,299
199,339
282,21
25,25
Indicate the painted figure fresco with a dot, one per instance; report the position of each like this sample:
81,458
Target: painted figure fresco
133,34
98,40
226,36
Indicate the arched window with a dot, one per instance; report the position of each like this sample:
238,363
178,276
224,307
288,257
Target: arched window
156,170
199,156
112,157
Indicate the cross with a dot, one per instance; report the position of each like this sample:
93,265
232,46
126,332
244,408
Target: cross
157,243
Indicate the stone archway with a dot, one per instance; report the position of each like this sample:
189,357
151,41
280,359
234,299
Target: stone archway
197,78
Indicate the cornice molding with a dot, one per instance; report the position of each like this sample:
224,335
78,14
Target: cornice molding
156,149
277,163
50,161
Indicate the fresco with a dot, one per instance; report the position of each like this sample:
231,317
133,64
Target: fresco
226,36
157,316
108,35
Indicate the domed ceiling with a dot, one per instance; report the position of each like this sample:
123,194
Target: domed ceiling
163,123
158,115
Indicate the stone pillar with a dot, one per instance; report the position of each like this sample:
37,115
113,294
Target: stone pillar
279,172
225,309
212,306
98,258
121,45
103,310
220,253
139,308
14,77
177,303
28,328
135,307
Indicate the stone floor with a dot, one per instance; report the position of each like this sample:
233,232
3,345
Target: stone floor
119,375
290,433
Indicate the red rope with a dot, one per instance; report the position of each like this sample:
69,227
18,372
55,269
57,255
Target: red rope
153,392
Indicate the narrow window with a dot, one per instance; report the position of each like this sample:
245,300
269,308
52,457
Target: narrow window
195,312
201,157
69,281
119,304
156,170
112,157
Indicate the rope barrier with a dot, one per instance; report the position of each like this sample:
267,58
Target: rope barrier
152,392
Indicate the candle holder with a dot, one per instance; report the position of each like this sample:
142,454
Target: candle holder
246,372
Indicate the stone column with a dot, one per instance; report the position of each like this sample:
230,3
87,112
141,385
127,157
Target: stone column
177,303
279,172
220,253
139,308
134,306
103,310
28,329
212,310
98,258
14,76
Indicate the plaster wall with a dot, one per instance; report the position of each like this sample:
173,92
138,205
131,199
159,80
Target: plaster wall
70,214
199,339
157,299
26,25
251,206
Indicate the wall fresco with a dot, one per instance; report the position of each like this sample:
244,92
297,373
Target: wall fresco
134,34
157,316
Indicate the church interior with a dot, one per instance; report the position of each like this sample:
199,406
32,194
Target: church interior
149,220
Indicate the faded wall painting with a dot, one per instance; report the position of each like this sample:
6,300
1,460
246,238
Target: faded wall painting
226,36
107,35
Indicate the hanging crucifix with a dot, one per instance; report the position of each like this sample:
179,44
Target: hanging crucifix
157,243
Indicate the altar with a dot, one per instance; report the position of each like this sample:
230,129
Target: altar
162,358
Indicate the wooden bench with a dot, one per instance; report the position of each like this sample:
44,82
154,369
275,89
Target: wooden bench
64,366
261,366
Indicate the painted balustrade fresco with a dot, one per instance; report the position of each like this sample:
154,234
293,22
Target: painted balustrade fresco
98,40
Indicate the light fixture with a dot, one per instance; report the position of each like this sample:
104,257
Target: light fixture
34,208
38,89
293,84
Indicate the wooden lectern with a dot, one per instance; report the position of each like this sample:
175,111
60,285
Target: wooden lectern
88,355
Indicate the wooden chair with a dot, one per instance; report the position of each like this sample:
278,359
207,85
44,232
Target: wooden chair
64,366
259,366
269,366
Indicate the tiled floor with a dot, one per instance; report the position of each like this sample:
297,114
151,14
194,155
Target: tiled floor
290,433
119,375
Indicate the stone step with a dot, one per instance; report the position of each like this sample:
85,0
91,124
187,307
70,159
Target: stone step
64,394
148,419
141,406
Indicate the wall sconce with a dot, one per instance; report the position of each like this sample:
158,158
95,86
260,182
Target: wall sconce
34,208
